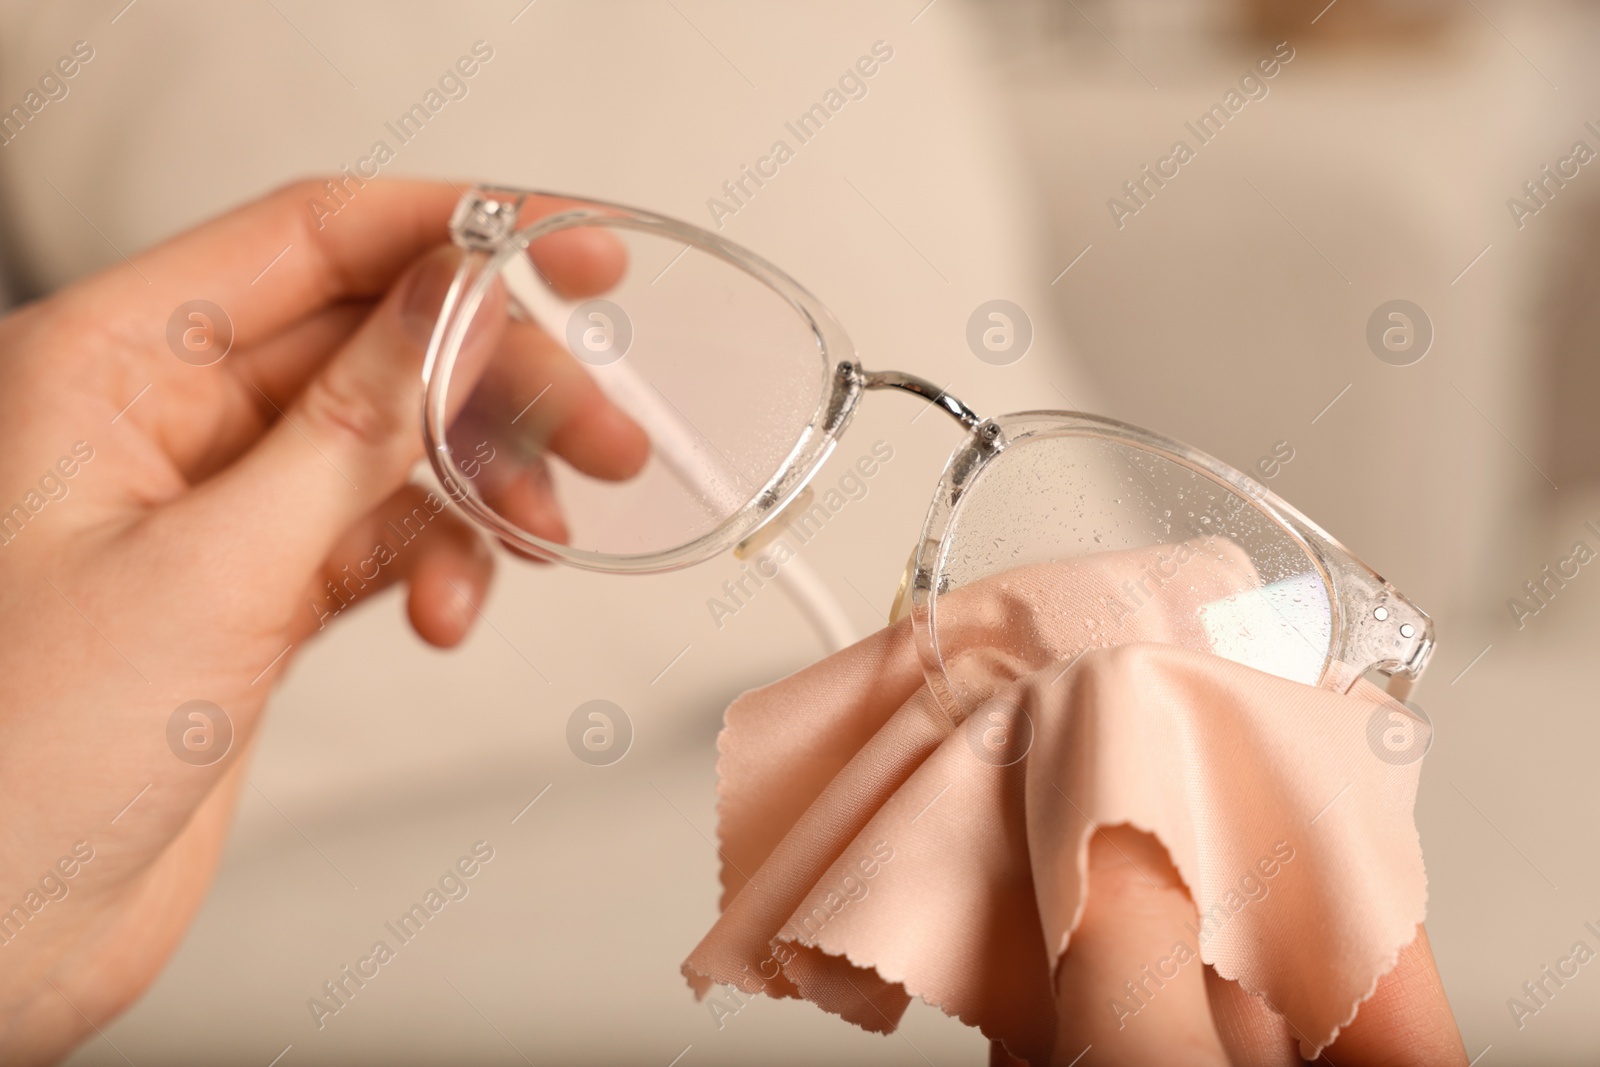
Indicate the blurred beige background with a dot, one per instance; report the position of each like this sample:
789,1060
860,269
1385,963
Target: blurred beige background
1230,311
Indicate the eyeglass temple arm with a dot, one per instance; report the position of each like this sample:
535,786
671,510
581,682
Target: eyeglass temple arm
894,379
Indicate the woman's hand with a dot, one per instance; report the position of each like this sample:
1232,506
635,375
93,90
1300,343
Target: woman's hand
174,529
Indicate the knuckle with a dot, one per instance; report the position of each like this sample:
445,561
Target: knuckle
351,416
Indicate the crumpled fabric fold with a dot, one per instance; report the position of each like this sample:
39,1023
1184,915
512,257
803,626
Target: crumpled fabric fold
875,849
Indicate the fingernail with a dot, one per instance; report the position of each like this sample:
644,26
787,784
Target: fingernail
425,290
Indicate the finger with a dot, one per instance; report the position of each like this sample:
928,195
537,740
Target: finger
413,538
592,433
1131,983
281,365
351,437
531,503
1407,1019
1253,1034
349,440
579,261
999,1057
268,265
516,406
532,507
528,395
449,585
583,427
265,380
357,253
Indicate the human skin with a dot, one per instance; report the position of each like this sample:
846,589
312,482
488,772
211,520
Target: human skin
187,555
1138,906
190,549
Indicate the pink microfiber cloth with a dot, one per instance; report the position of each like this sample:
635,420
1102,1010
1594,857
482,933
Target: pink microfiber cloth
875,849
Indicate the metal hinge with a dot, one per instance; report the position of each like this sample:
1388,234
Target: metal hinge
485,218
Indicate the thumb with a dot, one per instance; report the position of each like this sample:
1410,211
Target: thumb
346,444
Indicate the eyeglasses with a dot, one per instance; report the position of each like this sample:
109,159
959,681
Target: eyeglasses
743,382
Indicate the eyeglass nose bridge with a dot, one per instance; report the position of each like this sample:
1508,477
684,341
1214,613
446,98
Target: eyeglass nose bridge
920,387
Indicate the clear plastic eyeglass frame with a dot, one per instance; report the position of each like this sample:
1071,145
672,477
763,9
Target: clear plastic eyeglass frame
1369,625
